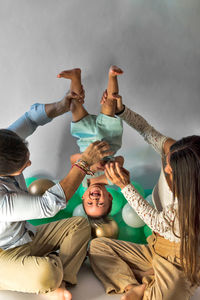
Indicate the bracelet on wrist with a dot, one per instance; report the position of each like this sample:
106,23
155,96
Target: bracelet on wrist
79,168
83,166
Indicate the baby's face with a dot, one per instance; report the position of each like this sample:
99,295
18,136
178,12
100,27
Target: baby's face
96,200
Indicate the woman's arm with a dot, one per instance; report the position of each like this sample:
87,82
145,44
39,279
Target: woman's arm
160,222
158,141
149,133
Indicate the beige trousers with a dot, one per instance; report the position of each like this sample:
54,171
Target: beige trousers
32,268
118,264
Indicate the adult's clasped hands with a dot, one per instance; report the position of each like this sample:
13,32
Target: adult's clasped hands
95,152
117,174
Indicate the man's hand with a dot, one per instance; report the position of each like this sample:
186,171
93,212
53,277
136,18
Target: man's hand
56,109
67,100
117,174
95,152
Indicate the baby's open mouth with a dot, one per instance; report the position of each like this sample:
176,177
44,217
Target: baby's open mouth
95,194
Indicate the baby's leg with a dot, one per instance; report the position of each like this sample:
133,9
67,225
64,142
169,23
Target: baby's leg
112,87
76,107
78,111
109,106
75,76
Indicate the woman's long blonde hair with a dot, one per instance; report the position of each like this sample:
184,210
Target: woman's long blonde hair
185,164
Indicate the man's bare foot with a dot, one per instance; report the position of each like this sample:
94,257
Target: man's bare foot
70,74
60,293
134,292
114,71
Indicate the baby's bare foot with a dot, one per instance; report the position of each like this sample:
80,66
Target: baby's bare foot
114,71
70,74
75,76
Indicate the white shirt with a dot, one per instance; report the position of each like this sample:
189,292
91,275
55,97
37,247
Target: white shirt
16,204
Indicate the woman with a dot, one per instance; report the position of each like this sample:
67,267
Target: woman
168,267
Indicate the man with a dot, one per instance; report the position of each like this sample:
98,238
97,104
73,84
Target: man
27,261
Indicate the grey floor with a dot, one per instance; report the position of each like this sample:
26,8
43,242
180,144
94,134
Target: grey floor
88,288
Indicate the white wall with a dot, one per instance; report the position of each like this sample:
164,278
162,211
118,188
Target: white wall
156,42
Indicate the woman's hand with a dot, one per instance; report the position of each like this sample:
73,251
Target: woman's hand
118,98
117,174
120,160
95,152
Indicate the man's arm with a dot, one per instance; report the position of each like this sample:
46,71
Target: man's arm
41,114
75,157
159,221
19,206
28,122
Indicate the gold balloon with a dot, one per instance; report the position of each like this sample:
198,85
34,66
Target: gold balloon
39,186
109,229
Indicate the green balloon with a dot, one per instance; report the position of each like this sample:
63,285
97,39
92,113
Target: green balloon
81,190
117,202
29,180
138,187
130,234
148,192
118,217
72,203
127,233
147,231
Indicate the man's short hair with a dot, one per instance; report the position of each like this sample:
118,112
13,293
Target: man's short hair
13,152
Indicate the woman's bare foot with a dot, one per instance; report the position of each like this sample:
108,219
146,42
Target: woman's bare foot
114,71
70,74
134,292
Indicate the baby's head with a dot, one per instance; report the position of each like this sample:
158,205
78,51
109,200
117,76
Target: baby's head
97,201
